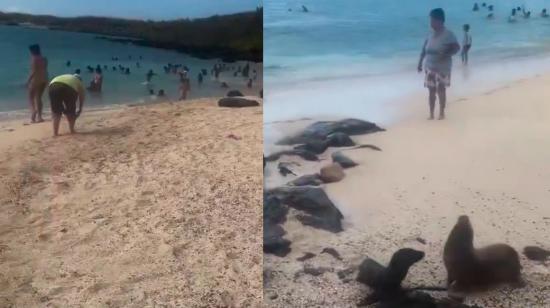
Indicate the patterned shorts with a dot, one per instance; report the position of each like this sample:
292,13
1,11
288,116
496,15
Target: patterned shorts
436,80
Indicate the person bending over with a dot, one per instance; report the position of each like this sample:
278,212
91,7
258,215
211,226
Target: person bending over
64,91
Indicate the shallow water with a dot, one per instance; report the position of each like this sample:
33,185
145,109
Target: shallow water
83,50
354,58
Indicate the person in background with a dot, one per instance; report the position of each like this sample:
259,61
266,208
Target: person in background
436,60
200,79
491,14
97,83
37,82
64,91
476,7
149,75
544,13
466,44
512,17
185,86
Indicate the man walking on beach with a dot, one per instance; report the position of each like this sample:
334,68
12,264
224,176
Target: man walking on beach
436,59
37,81
64,91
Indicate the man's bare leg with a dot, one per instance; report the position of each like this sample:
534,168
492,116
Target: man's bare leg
432,102
32,105
56,119
441,92
71,119
38,100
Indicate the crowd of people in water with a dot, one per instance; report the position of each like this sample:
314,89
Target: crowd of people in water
516,12
65,90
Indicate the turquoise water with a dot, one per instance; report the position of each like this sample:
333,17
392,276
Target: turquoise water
352,57
83,50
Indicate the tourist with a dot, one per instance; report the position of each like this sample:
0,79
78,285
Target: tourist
97,82
149,75
544,13
64,91
37,82
436,60
185,86
466,44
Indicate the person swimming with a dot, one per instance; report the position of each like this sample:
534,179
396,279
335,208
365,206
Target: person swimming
127,71
37,82
68,63
476,7
491,14
200,79
161,93
544,13
512,17
249,84
149,75
304,9
77,72
64,91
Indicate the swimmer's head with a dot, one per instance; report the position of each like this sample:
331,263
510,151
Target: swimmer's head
35,49
466,27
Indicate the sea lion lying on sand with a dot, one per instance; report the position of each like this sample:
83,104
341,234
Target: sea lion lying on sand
470,269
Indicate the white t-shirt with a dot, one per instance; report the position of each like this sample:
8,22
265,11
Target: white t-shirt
467,39
437,59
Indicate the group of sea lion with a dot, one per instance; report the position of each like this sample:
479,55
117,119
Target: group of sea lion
468,269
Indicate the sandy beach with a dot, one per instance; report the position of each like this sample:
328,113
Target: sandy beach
147,206
488,160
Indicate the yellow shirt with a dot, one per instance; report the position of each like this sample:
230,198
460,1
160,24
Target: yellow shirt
70,80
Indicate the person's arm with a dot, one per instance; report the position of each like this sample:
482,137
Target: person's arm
33,71
422,55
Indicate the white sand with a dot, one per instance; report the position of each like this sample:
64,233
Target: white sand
489,159
151,206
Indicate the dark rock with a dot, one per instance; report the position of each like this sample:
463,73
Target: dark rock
339,140
421,240
274,243
273,296
314,201
307,180
368,146
319,131
344,274
234,93
343,160
332,252
306,256
536,253
315,271
284,170
306,155
314,146
274,211
237,102
332,173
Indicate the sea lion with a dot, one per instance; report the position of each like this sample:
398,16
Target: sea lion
386,281
470,269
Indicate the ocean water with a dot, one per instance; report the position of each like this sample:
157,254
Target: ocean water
358,57
83,50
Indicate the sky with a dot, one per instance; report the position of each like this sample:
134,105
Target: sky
139,9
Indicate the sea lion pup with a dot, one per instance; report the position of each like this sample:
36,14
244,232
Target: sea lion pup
386,281
470,269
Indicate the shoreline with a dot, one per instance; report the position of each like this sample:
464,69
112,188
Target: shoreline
375,97
483,160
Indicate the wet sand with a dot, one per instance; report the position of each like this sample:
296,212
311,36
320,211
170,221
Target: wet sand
488,159
147,206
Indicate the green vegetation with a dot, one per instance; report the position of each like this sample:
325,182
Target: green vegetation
230,37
